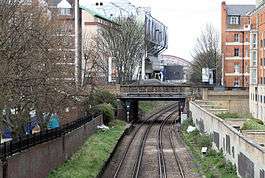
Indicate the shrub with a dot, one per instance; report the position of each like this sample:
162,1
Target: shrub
107,110
204,141
258,121
252,124
212,153
99,97
230,168
186,123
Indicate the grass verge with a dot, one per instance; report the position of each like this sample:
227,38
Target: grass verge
88,161
228,115
253,124
147,106
213,164
150,106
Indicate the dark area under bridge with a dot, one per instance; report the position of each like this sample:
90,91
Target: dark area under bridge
130,95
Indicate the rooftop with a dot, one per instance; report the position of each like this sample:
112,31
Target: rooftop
239,9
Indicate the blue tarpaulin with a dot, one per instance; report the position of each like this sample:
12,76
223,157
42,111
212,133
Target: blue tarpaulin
54,122
7,133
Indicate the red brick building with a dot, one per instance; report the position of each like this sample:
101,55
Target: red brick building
235,35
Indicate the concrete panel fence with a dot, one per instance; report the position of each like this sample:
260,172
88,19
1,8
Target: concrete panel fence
39,160
248,156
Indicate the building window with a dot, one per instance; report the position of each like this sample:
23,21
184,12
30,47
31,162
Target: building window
253,75
247,38
254,58
254,41
237,68
65,11
234,20
261,43
236,37
27,2
236,52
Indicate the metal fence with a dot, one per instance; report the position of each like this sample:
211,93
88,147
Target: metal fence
22,143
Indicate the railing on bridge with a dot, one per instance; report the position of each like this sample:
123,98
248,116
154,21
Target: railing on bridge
154,90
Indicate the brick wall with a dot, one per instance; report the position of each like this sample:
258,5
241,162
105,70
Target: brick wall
38,161
228,46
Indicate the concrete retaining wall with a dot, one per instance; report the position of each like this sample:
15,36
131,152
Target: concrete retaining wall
38,161
258,136
234,101
248,156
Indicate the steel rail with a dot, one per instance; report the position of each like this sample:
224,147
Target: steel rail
180,167
137,164
129,145
161,156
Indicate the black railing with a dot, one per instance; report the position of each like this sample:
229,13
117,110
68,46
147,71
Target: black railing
22,143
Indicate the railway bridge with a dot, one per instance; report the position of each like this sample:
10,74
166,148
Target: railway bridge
130,95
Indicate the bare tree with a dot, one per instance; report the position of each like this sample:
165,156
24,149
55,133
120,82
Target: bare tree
206,54
123,41
32,49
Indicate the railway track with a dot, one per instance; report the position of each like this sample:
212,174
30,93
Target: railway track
183,157
154,149
162,144
178,161
136,167
161,160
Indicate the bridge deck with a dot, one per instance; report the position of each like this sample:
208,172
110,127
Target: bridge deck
157,92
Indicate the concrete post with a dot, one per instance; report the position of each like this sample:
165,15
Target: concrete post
205,94
179,111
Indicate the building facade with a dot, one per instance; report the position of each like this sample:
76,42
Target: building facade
235,35
82,23
175,69
257,62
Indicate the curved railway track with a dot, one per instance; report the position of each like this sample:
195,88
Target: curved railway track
178,161
140,154
161,160
155,149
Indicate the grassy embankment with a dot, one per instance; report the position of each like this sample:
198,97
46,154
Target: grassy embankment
88,161
213,164
250,123
150,106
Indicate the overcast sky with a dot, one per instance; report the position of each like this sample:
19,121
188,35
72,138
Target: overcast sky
185,19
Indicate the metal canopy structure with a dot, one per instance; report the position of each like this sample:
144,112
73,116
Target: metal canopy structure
155,36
